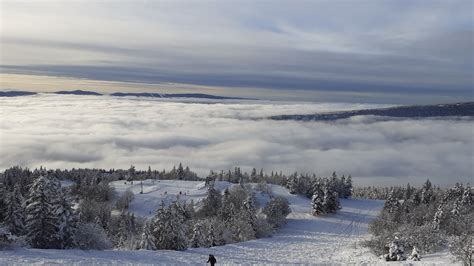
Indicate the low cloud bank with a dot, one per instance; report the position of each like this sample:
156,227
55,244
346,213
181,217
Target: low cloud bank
107,132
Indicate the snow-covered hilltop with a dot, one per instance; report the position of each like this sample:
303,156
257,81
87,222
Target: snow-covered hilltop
306,239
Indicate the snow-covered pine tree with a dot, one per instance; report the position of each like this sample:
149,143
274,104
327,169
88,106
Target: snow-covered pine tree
212,203
249,212
123,231
292,183
67,221
253,175
178,225
438,218
396,252
330,200
342,187
391,204
6,237
147,239
427,192
227,211
131,173
41,219
317,201
242,229
14,211
348,187
276,210
169,228
210,236
466,199
3,194
415,256
198,238
180,172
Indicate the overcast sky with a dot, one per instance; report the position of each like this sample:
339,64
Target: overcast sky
377,51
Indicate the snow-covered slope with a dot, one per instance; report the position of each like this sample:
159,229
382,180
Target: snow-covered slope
334,239
156,191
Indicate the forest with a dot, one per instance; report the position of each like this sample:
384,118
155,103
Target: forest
37,210
417,221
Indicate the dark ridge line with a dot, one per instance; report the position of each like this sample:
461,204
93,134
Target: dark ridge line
413,111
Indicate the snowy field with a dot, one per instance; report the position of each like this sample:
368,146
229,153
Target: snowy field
305,239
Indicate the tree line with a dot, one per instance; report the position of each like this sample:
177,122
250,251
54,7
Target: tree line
37,211
423,220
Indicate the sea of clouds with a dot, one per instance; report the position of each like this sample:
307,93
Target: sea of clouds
64,131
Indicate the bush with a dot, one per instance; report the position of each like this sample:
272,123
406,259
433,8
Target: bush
263,228
124,201
7,240
92,236
276,210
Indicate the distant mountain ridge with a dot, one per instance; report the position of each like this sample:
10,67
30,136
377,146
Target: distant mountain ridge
16,93
414,111
79,92
175,95
127,94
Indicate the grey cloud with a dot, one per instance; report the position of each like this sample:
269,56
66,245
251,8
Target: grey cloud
415,49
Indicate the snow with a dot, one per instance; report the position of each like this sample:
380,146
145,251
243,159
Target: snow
333,239
156,191
66,183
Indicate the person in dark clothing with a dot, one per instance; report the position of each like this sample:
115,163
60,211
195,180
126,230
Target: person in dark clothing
212,260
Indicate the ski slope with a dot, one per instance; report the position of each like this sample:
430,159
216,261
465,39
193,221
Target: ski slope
305,239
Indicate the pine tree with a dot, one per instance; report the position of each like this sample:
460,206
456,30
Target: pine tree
169,227
317,201
415,256
466,199
292,183
67,221
396,252
147,239
330,201
197,239
3,194
41,218
210,236
438,218
14,214
348,187
123,231
249,212
212,203
391,204
426,192
131,173
180,172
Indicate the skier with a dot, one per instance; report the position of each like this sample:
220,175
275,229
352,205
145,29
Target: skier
212,260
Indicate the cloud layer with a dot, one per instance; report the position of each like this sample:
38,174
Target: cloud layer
416,48
107,132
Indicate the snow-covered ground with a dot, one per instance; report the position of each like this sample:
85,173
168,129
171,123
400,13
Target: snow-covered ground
334,239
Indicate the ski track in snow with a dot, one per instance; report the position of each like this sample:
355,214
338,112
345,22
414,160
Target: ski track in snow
305,239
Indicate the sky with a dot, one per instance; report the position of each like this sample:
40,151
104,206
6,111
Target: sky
66,131
339,51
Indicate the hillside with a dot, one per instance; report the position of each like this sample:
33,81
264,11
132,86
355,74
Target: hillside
175,95
416,111
15,93
79,92
304,239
